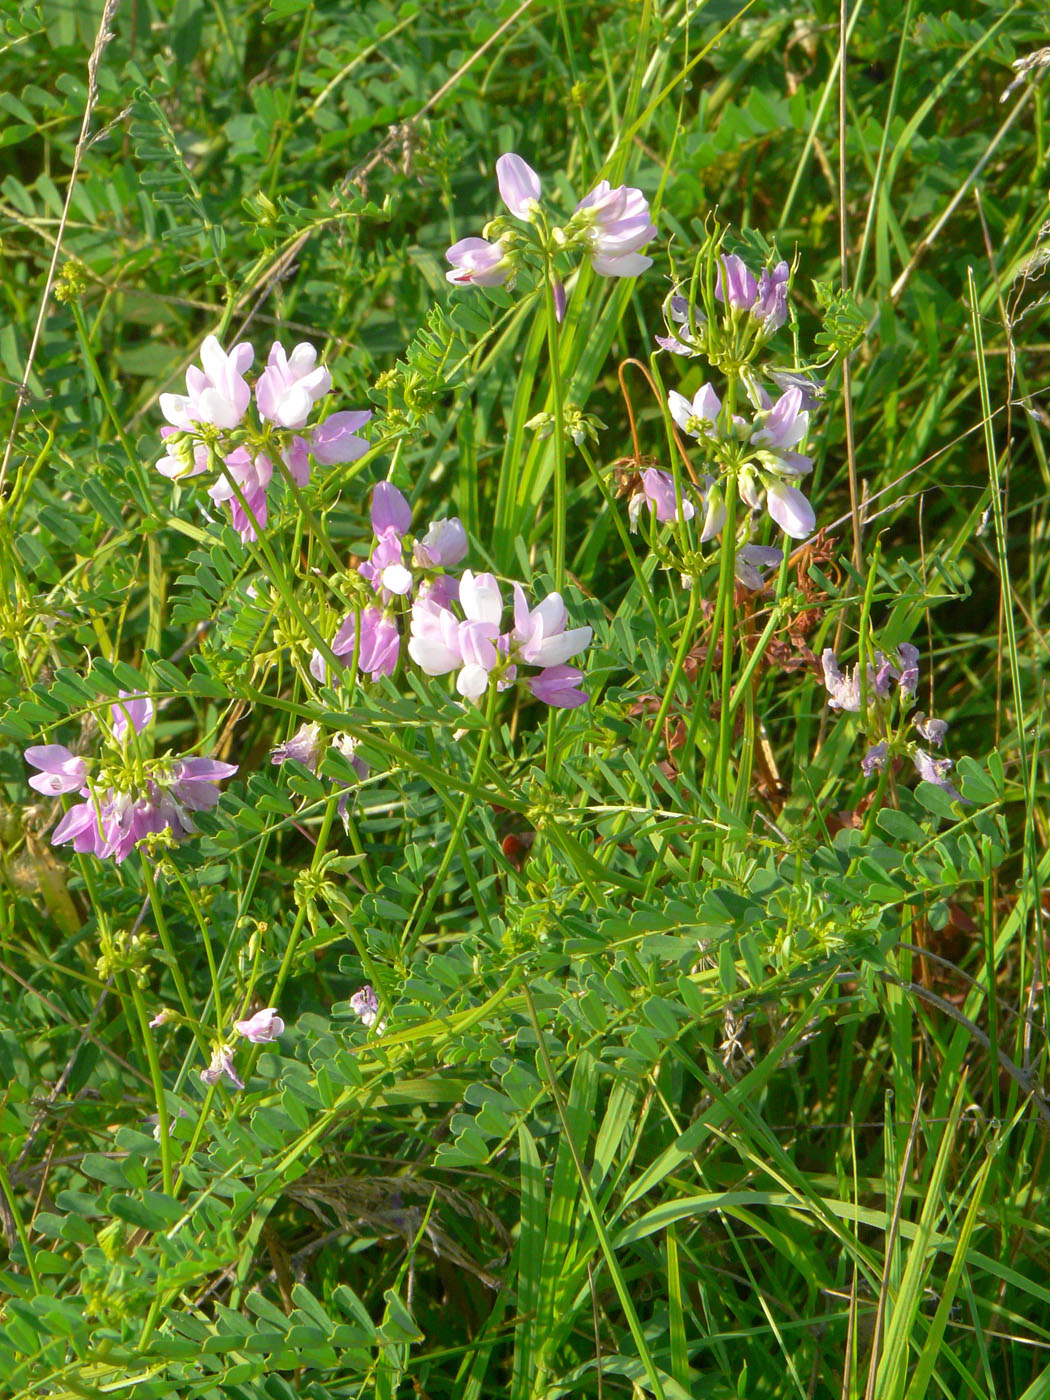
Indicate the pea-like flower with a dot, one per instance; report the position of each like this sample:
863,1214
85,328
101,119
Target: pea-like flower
697,416
131,712
365,1004
477,262
261,1028
935,771
249,474
222,1066
218,393
476,650
615,224
519,185
60,771
290,385
658,493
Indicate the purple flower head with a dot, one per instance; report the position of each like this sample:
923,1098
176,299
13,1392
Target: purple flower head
252,477
676,308
365,1005
558,686
218,394
935,771
384,567
770,305
540,637
659,494
714,510
909,674
790,509
290,385
734,283
843,688
696,416
443,590
264,1026
783,426
477,648
390,510
875,759
519,186
222,1065
558,293
60,771
377,639
303,747
194,781
443,546
347,746
476,262
133,711
932,730
434,643
885,673
335,440
616,224
750,558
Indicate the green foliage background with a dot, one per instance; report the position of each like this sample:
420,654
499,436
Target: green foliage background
686,1097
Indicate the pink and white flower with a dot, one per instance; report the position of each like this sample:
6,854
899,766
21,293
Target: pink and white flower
616,224
60,771
477,262
290,385
261,1028
519,185
218,393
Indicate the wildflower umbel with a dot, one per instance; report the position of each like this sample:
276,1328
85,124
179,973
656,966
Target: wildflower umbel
888,682
126,796
476,648
610,226
211,431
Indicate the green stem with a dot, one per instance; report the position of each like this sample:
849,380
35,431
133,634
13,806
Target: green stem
560,510
174,965
20,1229
158,1082
202,924
725,611
104,395
300,919
424,905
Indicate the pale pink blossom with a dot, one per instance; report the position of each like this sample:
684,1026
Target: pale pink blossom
519,185
60,771
290,385
264,1026
476,262
218,393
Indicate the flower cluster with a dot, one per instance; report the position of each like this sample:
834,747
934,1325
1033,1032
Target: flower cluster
126,796
209,428
610,226
398,566
753,310
479,651
455,622
885,683
759,453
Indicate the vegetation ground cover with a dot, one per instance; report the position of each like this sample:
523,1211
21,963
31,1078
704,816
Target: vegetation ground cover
523,818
